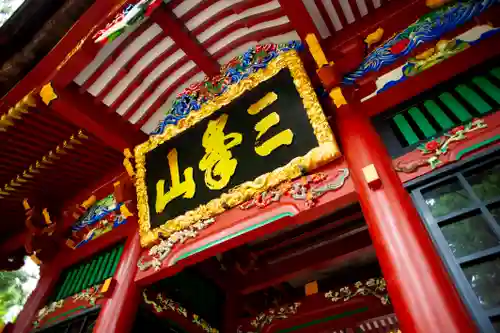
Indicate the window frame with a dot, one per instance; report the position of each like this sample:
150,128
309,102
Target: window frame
455,265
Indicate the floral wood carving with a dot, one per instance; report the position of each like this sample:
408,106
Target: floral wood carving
91,295
266,318
439,147
372,287
160,251
46,310
166,304
299,190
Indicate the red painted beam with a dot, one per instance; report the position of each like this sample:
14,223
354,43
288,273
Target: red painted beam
184,40
300,18
404,249
118,312
48,66
323,257
439,73
109,127
392,17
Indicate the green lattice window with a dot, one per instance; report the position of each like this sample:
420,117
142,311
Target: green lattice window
467,96
88,273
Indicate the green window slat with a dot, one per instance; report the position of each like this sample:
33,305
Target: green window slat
489,88
496,72
93,280
457,108
66,283
73,282
441,118
422,122
406,129
117,260
90,273
102,269
109,264
78,285
473,98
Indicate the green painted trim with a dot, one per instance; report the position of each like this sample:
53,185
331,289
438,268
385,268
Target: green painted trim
489,88
93,280
236,234
441,118
473,98
81,307
455,106
405,129
117,260
422,122
102,269
496,72
481,144
323,320
67,281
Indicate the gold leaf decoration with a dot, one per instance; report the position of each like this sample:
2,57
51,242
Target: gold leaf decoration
47,93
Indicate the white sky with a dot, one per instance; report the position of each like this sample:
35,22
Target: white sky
32,269
14,4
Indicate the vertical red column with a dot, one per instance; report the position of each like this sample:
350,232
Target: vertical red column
118,313
49,274
424,297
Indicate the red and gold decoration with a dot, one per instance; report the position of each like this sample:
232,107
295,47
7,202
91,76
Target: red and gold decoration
42,239
372,287
161,303
59,310
159,252
435,149
28,175
266,318
16,113
306,188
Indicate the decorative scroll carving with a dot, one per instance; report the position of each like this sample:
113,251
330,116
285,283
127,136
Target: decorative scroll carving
162,303
160,251
372,287
266,318
302,189
439,147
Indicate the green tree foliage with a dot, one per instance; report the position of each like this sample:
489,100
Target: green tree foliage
15,289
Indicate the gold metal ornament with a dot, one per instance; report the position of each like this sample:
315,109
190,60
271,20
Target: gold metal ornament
47,93
326,151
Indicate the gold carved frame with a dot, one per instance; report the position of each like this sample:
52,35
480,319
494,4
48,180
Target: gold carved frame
318,156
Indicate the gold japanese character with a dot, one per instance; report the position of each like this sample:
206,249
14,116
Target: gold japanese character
218,163
283,138
186,188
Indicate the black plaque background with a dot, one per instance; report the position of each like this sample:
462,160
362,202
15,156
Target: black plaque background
250,165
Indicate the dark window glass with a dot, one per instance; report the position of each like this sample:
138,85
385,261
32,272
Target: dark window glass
496,214
462,213
469,235
446,198
486,183
496,324
484,279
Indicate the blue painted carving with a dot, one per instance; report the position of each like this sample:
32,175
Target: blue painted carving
239,68
427,28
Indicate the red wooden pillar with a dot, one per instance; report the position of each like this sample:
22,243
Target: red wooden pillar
118,313
424,297
49,274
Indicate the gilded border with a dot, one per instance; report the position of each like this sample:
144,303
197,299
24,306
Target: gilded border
316,157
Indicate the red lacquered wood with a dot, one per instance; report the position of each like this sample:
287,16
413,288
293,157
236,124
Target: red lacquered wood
300,18
179,34
109,127
421,290
414,85
118,313
49,274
